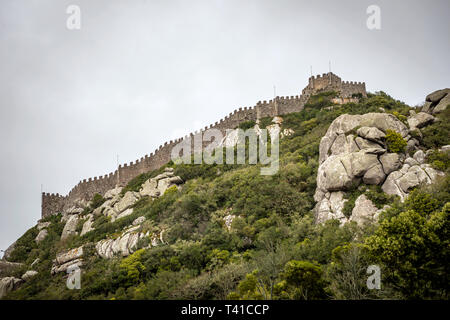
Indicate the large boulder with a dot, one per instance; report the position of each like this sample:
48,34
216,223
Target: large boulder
88,225
28,275
402,181
420,120
155,187
41,235
71,227
69,259
354,151
9,284
122,246
437,101
127,201
364,211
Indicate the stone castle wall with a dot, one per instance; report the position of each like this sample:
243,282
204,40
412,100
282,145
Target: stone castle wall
86,189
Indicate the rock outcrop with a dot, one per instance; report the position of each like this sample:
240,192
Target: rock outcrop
8,267
71,227
123,245
9,284
70,259
354,151
437,101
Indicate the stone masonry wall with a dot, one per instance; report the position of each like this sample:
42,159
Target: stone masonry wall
54,203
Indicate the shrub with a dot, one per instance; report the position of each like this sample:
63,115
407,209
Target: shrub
395,141
247,125
439,160
438,134
97,201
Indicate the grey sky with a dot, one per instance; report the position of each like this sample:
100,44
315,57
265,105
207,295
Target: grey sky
139,73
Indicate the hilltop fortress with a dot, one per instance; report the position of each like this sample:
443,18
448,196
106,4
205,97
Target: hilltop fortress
85,190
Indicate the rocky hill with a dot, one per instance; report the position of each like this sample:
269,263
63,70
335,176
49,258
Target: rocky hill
361,183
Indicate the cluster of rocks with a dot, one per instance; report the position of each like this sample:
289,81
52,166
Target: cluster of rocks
128,241
232,137
9,284
68,260
437,101
354,152
117,206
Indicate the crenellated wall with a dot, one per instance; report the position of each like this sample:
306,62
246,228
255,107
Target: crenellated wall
54,203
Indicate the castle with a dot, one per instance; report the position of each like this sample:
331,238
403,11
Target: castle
55,203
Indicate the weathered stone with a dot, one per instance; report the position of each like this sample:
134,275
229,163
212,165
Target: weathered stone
427,107
28,275
361,162
125,213
127,201
138,221
8,285
123,246
112,193
333,176
41,235
419,156
437,95
70,228
88,225
363,211
70,255
411,161
42,225
7,267
371,133
77,263
420,120
374,175
408,181
149,188
390,185
331,208
442,105
366,144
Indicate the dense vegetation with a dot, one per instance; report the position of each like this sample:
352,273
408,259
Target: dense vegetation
274,250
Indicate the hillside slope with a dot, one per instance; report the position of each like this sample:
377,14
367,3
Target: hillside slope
352,191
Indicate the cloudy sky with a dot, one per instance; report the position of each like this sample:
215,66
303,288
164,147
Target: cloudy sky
141,72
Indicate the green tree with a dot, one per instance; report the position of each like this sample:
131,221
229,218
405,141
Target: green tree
305,280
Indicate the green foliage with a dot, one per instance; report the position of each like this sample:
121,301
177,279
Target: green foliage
321,100
437,134
305,279
414,247
395,141
132,267
247,125
97,201
439,160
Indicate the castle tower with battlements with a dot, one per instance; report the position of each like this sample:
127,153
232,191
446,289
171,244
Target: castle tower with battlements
86,189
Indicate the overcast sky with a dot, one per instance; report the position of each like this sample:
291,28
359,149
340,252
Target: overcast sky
139,73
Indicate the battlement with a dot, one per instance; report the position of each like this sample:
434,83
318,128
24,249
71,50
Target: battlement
280,105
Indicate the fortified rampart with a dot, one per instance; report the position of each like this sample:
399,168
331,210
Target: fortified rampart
54,203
